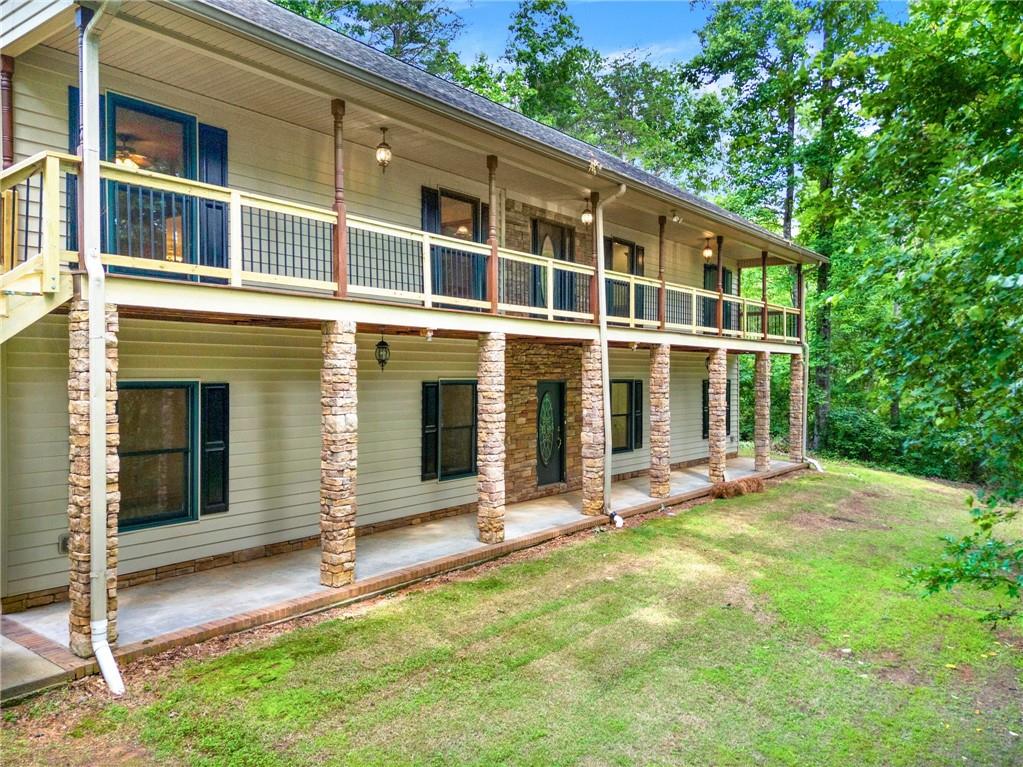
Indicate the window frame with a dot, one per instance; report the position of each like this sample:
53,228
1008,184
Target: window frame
189,122
194,446
636,262
633,415
478,227
433,436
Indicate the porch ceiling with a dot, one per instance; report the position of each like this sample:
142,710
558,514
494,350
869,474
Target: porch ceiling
197,57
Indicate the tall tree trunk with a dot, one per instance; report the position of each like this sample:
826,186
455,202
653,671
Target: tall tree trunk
825,235
790,169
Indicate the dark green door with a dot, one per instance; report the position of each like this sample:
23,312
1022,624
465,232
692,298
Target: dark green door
550,432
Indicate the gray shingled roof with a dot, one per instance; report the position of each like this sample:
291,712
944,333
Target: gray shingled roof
351,53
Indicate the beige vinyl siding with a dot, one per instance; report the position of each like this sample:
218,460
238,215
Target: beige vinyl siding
688,371
274,439
628,364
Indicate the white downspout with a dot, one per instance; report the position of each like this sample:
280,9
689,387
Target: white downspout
605,376
88,58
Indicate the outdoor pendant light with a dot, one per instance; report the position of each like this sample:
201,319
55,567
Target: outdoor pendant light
382,352
384,154
587,216
708,251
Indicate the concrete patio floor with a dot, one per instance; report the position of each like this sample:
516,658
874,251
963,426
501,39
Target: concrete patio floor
161,607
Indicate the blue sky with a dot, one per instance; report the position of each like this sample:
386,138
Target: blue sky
664,29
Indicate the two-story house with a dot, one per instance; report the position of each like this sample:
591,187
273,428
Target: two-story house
269,293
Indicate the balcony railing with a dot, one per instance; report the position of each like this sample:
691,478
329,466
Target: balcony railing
159,225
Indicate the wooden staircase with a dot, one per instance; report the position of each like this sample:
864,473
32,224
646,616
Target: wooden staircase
32,283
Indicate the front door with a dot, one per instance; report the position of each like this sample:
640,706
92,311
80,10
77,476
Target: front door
550,432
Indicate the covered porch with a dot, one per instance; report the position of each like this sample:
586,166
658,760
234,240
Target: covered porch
190,608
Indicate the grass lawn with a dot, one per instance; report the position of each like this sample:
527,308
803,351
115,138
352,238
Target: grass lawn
769,629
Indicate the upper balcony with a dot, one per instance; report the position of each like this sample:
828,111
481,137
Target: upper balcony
162,226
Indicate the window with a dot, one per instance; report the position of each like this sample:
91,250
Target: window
626,415
448,429
623,256
552,240
706,408
167,442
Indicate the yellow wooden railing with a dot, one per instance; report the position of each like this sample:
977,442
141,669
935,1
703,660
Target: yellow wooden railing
152,223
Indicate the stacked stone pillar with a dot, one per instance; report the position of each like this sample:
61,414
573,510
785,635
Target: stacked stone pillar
717,405
660,421
762,413
338,454
79,504
593,429
490,437
796,421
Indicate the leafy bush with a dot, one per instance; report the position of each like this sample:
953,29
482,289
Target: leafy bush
861,434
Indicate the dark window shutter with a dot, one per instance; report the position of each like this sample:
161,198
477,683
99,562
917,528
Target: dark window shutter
640,264
216,428
213,214
726,281
728,407
637,414
429,431
710,277
534,236
608,253
483,224
706,408
431,210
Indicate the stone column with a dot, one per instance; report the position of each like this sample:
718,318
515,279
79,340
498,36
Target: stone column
796,409
717,375
660,421
78,479
593,430
338,454
490,434
762,413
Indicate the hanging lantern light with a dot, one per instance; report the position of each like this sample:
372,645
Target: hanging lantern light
587,216
708,251
384,153
382,352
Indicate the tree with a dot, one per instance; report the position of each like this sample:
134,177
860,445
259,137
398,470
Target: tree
418,32
545,46
649,115
757,50
942,174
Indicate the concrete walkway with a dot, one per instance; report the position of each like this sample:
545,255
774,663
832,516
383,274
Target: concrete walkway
158,608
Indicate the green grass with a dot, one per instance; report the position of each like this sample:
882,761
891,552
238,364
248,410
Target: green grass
768,629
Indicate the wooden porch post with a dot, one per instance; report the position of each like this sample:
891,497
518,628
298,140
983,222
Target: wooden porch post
763,291
493,272
337,107
7,96
594,287
721,290
662,301
800,301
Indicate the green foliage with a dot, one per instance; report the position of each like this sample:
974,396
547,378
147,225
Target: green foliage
862,434
419,32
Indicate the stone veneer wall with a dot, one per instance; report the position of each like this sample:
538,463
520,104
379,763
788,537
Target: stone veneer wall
660,421
518,230
762,412
717,376
593,440
796,408
338,454
527,363
490,437
79,504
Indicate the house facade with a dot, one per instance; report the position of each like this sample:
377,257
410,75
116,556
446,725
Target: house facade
338,295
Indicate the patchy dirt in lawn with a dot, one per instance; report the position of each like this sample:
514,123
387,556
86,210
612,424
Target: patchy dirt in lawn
853,512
